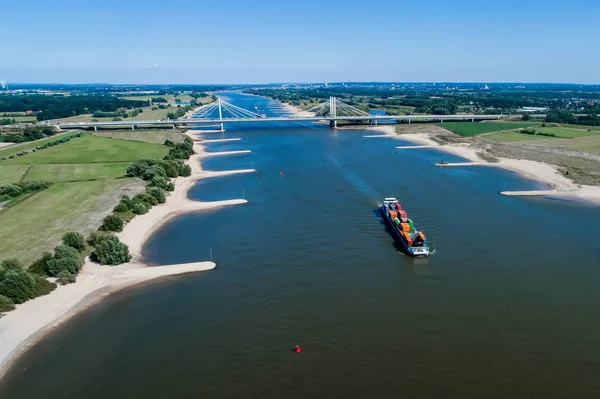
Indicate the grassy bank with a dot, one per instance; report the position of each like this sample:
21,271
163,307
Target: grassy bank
475,128
147,136
90,148
12,173
88,176
36,223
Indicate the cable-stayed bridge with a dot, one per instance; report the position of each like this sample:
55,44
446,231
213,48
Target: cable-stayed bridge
221,112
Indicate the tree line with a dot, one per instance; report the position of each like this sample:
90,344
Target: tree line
59,106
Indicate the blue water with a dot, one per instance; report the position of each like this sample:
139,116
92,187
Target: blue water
506,307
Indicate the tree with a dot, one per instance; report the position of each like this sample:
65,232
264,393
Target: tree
170,186
6,304
112,223
158,182
526,116
111,251
10,190
65,258
74,240
140,208
158,193
48,132
18,285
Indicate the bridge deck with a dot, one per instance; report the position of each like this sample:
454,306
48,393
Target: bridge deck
199,121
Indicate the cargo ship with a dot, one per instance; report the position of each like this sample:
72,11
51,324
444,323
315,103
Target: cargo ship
405,232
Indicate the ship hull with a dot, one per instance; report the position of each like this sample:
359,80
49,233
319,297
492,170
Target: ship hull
411,251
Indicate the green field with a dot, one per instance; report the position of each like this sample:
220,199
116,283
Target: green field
515,136
560,132
36,223
29,145
75,171
475,128
12,173
148,136
566,133
90,148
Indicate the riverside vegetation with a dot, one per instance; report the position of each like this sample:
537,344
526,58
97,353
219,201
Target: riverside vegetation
19,284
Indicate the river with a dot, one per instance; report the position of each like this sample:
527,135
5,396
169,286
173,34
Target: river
507,306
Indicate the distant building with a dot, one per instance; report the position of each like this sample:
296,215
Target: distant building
533,109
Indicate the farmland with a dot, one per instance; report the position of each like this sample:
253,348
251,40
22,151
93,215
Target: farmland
475,128
88,177
90,148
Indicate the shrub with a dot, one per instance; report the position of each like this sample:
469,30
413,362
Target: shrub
158,193
185,170
112,223
152,171
65,278
140,208
74,240
11,264
65,258
34,186
169,143
146,198
95,236
111,251
527,131
543,125
121,207
10,190
158,182
137,168
6,304
171,167
170,186
18,285
39,266
43,286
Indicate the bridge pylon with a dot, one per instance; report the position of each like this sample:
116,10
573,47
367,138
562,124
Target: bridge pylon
220,114
332,113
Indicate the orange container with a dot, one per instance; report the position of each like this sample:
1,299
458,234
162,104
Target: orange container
421,235
393,214
405,226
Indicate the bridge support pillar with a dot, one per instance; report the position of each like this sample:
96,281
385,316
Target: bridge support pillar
332,112
95,128
441,120
472,119
409,121
132,127
173,126
375,122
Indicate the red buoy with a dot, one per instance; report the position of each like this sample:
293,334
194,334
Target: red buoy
280,173
297,349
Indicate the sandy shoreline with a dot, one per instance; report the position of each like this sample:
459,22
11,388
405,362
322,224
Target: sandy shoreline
32,320
560,186
292,109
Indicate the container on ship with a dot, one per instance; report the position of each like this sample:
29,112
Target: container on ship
404,230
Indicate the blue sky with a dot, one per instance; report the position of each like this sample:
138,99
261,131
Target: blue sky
234,41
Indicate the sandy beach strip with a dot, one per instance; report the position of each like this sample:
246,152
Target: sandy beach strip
32,320
296,111
561,186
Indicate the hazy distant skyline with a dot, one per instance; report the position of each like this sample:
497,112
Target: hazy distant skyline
201,42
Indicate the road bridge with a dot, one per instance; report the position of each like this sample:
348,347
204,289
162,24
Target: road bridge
220,113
